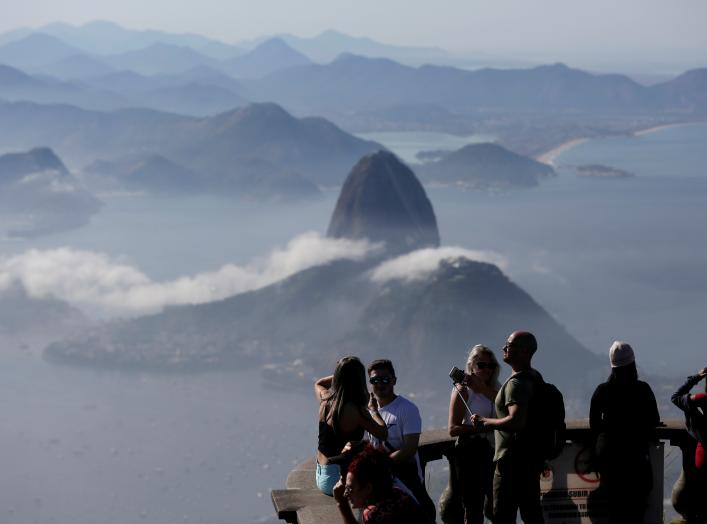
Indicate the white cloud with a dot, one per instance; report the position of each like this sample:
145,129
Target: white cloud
101,286
420,263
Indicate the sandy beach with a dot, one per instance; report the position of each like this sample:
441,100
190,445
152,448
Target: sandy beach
663,126
549,156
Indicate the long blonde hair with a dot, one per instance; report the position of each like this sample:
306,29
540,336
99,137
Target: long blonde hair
474,354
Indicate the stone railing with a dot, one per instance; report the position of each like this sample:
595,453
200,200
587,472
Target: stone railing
302,503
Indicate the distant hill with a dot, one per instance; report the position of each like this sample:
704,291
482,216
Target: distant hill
418,117
268,57
208,76
16,85
485,166
131,83
260,144
198,91
123,81
38,195
75,67
142,172
190,99
106,38
329,44
12,78
15,166
159,58
687,92
35,50
156,174
383,201
312,147
428,324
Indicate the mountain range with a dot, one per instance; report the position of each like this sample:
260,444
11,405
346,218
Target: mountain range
270,56
354,83
422,315
105,38
251,151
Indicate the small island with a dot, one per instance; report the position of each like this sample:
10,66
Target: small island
603,172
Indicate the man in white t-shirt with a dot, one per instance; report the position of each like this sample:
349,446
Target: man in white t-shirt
404,424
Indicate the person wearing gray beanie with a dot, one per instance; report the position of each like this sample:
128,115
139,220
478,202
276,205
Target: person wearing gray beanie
623,416
621,354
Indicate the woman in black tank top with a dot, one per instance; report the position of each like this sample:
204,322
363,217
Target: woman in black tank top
344,404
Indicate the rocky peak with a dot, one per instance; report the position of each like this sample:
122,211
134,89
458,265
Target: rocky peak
383,200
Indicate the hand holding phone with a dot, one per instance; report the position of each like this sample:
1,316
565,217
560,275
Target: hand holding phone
457,375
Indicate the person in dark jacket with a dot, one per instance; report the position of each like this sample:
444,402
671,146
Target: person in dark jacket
690,489
623,417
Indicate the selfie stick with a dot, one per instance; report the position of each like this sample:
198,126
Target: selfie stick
459,392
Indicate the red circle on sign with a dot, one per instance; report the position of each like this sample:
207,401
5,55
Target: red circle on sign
581,462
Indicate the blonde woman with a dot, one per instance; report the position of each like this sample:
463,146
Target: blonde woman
473,459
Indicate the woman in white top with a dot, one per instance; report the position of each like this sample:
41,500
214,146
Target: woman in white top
473,457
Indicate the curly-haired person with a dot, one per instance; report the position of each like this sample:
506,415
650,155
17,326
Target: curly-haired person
368,486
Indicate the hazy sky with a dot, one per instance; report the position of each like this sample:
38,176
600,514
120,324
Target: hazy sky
465,25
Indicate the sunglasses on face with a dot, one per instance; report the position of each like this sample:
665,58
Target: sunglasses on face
486,365
380,380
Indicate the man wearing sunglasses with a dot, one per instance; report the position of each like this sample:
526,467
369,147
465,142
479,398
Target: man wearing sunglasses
402,417
516,484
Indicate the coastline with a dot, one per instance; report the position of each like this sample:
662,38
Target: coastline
548,157
660,127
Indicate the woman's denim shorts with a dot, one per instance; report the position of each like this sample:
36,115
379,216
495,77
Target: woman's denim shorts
327,477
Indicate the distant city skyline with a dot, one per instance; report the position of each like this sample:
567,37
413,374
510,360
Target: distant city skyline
585,34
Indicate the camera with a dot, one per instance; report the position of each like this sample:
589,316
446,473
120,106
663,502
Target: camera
457,375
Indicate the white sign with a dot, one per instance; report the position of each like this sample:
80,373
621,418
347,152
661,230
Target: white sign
567,486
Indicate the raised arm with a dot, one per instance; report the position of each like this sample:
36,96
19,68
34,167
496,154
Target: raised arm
681,397
322,387
342,504
372,422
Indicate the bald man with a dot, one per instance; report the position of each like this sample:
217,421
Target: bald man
516,480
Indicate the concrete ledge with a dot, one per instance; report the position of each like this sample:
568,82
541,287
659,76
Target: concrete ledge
303,503
302,477
290,503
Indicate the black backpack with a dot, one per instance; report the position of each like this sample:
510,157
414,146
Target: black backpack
544,434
